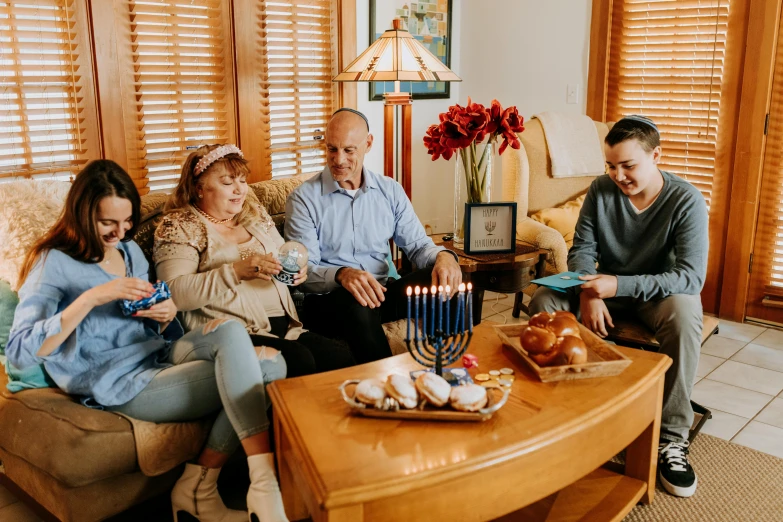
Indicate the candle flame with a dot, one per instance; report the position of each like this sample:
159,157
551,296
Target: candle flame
440,289
417,291
424,290
470,287
433,290
448,289
409,291
461,287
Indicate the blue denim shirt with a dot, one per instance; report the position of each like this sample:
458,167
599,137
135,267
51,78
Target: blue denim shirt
109,356
343,231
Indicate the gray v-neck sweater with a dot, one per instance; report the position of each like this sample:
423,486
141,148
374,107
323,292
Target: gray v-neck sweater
655,254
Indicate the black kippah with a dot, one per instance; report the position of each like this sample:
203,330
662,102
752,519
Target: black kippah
641,119
347,109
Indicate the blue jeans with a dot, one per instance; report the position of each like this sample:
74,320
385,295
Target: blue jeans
214,373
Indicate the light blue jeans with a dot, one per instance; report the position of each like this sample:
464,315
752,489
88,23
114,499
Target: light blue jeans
216,372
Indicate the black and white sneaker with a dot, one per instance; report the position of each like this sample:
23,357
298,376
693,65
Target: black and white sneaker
677,475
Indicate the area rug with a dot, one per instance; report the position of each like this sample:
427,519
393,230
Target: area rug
736,484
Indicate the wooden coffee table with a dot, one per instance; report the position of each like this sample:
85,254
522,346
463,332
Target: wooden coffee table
539,458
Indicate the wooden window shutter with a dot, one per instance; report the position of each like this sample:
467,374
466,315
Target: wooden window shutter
48,122
667,62
287,76
765,295
178,88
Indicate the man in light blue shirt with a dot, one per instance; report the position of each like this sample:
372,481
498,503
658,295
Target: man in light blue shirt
346,216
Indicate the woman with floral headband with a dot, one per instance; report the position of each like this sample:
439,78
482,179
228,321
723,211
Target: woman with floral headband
217,250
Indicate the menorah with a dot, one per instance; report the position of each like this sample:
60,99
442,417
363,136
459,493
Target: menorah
489,226
437,346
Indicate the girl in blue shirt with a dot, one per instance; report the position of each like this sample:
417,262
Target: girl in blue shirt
69,319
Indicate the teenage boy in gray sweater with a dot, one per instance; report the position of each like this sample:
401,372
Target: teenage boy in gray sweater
641,243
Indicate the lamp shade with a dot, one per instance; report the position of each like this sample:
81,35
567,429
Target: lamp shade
397,56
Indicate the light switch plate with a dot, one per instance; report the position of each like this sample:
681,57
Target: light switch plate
572,94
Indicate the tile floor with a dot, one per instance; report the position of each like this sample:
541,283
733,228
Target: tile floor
739,378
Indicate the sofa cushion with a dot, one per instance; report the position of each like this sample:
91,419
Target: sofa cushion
273,193
562,218
82,445
8,302
29,209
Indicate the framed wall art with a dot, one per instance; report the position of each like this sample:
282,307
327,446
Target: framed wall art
490,228
430,23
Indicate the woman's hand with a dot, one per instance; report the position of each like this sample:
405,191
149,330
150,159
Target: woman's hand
258,267
301,276
163,312
130,288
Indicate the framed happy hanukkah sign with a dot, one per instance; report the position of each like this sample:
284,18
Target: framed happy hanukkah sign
490,228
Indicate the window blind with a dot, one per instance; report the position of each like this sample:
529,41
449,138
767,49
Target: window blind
182,82
766,282
47,110
295,39
666,61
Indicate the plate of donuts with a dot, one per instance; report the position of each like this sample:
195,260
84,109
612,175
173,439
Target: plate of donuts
559,348
428,397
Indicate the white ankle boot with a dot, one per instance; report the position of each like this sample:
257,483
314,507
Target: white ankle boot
195,496
264,502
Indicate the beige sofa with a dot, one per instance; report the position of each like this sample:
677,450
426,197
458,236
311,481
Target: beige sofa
84,465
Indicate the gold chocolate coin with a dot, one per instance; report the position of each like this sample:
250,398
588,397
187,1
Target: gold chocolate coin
509,378
494,372
482,377
490,384
507,371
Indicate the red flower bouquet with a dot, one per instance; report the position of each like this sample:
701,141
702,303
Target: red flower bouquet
462,128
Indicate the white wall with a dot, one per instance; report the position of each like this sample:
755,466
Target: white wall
522,52
534,50
433,181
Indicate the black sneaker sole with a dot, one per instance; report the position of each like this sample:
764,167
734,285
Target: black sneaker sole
679,491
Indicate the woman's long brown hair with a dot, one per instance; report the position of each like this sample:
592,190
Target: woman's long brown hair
75,233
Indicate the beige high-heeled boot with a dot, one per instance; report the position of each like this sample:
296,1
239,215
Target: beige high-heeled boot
264,501
195,497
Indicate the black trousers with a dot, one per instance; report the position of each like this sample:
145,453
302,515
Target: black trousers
310,353
338,315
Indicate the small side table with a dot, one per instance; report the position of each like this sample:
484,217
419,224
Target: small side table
509,275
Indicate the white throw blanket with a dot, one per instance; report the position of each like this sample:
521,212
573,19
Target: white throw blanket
573,144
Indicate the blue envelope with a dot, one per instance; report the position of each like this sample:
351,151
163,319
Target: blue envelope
559,282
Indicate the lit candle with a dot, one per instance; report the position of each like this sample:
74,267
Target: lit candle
461,309
447,297
470,307
417,291
434,293
440,308
409,292
424,313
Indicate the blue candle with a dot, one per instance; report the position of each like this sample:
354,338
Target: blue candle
432,310
470,307
417,291
424,313
409,292
461,309
447,297
440,308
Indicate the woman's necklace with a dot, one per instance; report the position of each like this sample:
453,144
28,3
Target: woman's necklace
214,220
